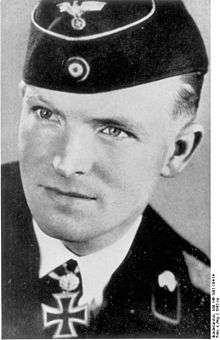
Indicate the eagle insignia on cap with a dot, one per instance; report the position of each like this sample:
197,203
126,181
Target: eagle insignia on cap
77,10
78,68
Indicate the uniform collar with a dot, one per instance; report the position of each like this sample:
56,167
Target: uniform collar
96,268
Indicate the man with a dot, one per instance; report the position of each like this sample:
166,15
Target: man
110,92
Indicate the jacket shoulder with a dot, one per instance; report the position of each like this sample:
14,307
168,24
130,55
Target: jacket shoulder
180,278
14,206
197,264
10,179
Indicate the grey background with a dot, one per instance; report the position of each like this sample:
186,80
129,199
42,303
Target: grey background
183,201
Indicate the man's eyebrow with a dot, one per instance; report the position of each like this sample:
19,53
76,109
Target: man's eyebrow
32,99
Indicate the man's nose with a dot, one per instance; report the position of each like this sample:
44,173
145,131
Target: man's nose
77,154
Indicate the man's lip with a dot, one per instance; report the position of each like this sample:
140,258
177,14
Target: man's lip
69,193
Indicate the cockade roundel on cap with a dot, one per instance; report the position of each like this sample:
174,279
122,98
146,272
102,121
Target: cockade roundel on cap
78,68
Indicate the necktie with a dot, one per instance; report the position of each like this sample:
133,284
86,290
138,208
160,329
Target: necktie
62,315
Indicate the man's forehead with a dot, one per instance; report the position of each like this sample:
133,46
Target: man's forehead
165,88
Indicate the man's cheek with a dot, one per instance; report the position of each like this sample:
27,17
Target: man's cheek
33,145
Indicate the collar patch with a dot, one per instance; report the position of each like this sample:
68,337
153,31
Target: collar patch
165,300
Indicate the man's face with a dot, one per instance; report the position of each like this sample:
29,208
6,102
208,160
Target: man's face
89,162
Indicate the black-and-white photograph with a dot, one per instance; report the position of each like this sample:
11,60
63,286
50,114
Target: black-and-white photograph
105,170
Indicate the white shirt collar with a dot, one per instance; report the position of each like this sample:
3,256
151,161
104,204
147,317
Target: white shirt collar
96,268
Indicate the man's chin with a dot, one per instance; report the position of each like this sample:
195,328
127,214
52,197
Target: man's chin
67,231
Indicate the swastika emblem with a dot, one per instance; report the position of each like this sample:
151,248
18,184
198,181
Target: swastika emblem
65,315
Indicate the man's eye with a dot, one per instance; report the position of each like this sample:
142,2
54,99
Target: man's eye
45,113
114,132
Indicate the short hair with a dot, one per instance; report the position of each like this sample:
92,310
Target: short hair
188,95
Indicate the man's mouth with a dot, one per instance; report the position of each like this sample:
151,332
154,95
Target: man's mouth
72,194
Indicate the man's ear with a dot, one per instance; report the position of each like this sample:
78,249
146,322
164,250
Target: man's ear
181,151
22,88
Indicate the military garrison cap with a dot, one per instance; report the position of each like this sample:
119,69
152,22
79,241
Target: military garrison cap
98,46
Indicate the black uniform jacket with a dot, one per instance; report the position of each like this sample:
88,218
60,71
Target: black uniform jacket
135,305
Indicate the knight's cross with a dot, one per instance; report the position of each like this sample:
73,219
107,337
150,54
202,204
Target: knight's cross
65,315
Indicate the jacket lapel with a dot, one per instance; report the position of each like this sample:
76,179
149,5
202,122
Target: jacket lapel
20,263
135,304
